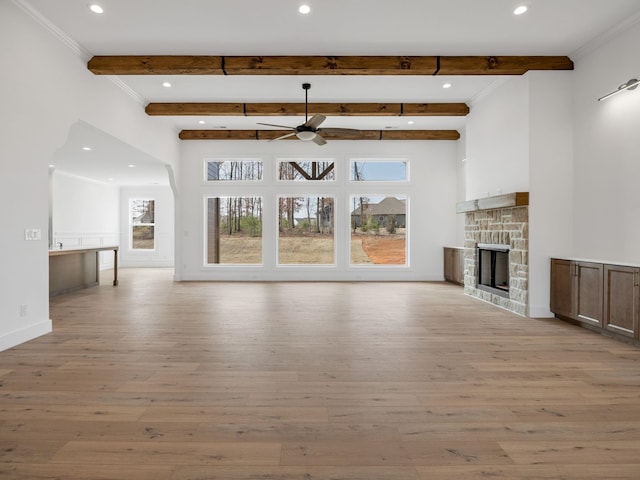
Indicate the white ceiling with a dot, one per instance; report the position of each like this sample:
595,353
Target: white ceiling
334,27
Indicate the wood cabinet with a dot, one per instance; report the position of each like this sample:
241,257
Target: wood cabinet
588,292
602,295
576,290
562,287
622,295
454,265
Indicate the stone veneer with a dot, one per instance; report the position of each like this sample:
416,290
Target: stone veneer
506,226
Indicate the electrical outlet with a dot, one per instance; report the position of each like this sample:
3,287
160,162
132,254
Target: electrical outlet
23,310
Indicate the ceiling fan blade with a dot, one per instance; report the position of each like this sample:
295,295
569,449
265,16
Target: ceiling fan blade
318,140
283,136
315,121
338,131
279,126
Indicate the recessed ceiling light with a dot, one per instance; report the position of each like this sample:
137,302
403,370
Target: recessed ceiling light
411,122
520,10
446,85
166,84
131,165
51,166
95,8
86,149
201,122
304,9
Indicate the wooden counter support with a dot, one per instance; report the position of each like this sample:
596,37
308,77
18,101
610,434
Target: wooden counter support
73,269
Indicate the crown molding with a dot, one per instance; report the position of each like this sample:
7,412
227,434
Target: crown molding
128,90
74,46
606,37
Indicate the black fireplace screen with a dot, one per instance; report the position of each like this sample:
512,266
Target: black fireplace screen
493,268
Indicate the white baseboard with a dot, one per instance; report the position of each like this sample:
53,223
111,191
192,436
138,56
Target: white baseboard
22,335
540,312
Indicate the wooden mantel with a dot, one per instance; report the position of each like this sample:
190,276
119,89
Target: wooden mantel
516,199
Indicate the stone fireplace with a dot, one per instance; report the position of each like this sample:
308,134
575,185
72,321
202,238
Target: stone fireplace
496,259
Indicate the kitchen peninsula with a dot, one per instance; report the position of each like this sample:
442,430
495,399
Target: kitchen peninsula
75,268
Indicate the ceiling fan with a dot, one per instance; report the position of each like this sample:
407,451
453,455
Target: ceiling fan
309,131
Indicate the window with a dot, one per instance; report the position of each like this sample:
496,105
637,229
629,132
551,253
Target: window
304,170
379,230
374,170
142,215
234,230
233,170
305,230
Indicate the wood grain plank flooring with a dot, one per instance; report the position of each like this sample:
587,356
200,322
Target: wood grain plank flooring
312,381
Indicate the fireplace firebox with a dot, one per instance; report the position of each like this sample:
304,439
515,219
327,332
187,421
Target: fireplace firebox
493,268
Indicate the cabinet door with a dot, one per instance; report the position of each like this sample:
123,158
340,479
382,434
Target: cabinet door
588,293
621,295
562,286
458,268
448,264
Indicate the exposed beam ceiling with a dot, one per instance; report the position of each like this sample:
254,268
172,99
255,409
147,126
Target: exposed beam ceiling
362,135
327,109
320,65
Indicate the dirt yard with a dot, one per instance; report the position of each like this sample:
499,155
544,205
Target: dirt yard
384,249
315,250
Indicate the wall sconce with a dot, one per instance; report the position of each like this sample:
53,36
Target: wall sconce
632,84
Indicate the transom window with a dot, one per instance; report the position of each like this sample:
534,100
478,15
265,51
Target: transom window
243,169
379,170
306,170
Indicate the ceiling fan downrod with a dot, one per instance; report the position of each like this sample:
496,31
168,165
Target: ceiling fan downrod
306,87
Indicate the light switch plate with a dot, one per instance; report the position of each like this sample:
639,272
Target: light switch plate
32,234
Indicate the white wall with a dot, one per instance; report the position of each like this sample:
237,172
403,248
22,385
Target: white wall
607,152
46,89
550,180
432,200
163,253
497,136
85,214
461,186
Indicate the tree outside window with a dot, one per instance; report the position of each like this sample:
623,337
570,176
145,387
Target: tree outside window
142,215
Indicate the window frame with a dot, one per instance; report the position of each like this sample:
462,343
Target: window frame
287,159
299,194
353,160
247,159
132,225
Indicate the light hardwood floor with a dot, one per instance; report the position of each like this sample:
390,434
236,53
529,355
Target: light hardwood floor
312,381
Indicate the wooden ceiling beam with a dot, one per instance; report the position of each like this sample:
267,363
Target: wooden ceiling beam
323,65
362,135
341,65
156,65
327,109
293,109
195,109
518,65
